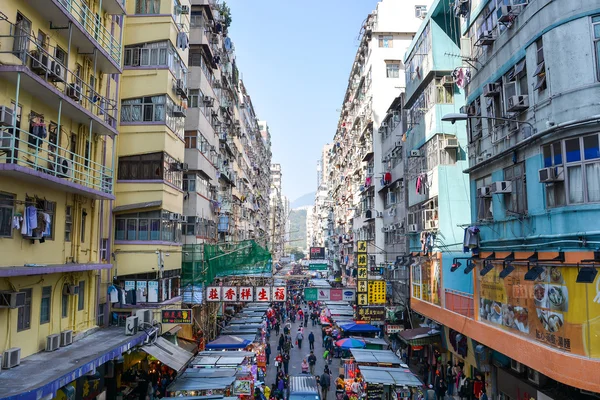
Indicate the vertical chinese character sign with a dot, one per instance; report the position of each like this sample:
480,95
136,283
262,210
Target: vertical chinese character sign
230,293
279,293
263,293
246,293
213,293
362,274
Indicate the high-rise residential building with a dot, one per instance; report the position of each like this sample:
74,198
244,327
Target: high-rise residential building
522,296
357,173
60,74
277,216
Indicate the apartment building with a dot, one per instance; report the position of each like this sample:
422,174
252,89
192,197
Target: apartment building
277,215
357,173
60,78
530,70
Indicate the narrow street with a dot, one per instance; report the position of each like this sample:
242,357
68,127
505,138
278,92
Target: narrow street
297,355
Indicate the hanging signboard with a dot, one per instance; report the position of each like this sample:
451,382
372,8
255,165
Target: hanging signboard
394,329
317,253
370,314
361,286
279,293
361,246
263,294
362,299
361,260
246,293
213,293
230,293
377,292
176,316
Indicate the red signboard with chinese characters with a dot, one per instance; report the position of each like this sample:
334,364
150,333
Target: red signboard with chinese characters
279,293
230,293
213,293
263,293
246,293
176,316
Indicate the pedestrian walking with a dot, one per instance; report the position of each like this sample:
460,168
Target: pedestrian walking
305,321
299,338
312,361
281,342
325,382
268,352
279,362
277,326
311,340
286,363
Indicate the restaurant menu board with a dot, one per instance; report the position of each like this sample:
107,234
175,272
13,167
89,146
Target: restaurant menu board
553,309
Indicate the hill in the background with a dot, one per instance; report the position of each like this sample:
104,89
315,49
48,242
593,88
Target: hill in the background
306,200
298,229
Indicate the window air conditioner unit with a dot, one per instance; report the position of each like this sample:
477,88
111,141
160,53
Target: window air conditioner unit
66,338
450,143
180,88
431,224
491,90
500,187
447,80
518,103
174,217
517,366
71,290
185,10
413,228
178,166
64,167
178,111
57,72
414,153
6,116
52,342
11,358
486,38
551,174
74,92
209,101
131,325
39,62
12,299
144,316
484,191
504,14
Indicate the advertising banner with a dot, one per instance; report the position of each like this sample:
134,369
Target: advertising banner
317,253
377,291
176,316
553,309
324,294
370,314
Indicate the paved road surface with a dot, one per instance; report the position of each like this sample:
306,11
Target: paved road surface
297,355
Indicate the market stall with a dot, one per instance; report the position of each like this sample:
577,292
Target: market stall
380,358
373,343
247,320
201,386
359,329
219,362
383,383
228,342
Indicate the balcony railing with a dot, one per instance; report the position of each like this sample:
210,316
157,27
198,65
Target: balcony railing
92,23
31,150
460,302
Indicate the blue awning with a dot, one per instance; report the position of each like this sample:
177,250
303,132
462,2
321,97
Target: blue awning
44,373
355,328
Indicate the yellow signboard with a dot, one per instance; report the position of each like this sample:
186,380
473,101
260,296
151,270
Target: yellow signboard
377,291
362,273
361,260
362,299
361,246
361,286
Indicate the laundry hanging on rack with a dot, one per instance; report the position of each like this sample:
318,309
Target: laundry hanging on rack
31,220
420,183
182,41
471,240
387,178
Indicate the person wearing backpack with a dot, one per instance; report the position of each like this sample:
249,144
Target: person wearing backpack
299,338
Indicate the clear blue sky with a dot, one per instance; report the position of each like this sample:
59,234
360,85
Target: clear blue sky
295,57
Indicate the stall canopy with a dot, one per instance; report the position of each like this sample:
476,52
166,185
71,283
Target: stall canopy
216,361
247,320
208,373
368,356
168,353
390,376
420,336
226,354
373,341
359,328
225,342
189,384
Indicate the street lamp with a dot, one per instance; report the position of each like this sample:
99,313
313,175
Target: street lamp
453,117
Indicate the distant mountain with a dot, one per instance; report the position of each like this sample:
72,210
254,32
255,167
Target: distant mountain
306,200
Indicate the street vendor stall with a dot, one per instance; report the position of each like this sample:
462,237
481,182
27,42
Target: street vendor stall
359,329
228,342
246,320
219,362
199,386
373,343
390,383
381,358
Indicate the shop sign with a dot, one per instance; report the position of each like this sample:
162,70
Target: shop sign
317,253
552,310
361,286
310,294
361,260
361,246
362,273
377,291
324,294
230,293
213,293
242,387
335,294
362,299
246,293
371,313
279,293
176,316
394,329
263,294
348,294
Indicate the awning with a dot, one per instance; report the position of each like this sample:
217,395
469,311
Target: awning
420,336
390,376
355,328
187,384
230,342
137,206
168,353
368,356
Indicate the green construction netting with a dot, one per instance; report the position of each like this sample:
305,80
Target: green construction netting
202,263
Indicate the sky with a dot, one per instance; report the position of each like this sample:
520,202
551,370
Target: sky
295,58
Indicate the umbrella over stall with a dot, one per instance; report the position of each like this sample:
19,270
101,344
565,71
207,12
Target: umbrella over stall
350,343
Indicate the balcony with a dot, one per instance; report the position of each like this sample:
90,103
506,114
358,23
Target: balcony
88,33
31,158
32,69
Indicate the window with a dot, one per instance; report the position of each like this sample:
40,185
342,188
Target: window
418,59
60,55
100,318
147,6
484,202
46,304
153,166
516,201
390,198
392,70
420,11
540,71
24,313
515,83
104,249
83,218
81,296
195,98
156,54
6,214
153,109
596,29
150,225
386,41
580,156
64,305
68,223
